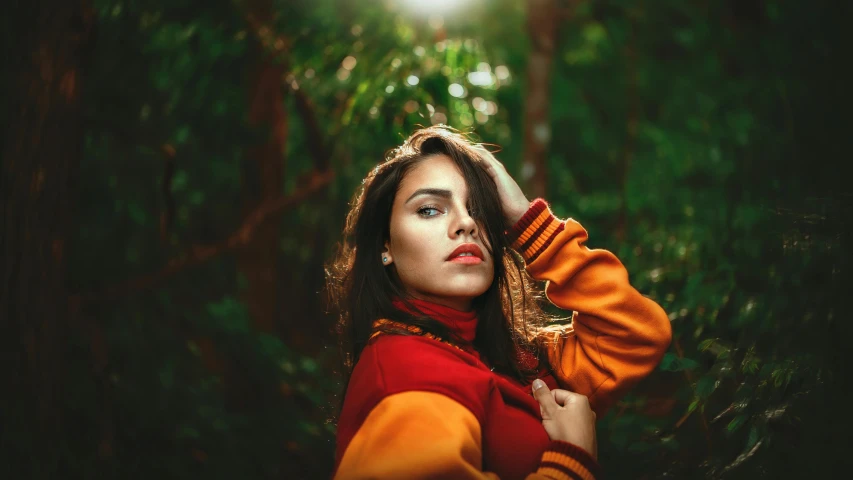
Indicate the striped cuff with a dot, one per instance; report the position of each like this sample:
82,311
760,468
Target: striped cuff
566,461
532,234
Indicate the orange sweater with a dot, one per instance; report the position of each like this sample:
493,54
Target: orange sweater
418,408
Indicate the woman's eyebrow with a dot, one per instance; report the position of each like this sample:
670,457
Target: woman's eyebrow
435,192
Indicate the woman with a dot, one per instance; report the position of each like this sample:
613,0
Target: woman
453,364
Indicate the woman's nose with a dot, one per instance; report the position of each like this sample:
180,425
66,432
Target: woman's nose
466,225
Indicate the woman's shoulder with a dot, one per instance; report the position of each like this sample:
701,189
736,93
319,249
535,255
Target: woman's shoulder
413,350
404,361
392,364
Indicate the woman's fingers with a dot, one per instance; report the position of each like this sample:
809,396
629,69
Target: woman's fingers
545,399
513,200
561,396
487,155
567,416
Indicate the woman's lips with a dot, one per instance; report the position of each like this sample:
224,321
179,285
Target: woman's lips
467,254
472,260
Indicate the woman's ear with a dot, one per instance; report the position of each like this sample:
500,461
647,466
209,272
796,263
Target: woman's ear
387,259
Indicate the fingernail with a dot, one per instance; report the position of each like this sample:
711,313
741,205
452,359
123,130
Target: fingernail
537,384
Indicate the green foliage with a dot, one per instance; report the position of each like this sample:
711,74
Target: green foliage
687,140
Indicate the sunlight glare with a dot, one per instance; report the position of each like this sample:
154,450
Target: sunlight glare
434,7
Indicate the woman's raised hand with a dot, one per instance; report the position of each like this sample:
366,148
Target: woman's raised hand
513,200
567,416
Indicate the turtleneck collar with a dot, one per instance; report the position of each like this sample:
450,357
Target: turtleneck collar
462,324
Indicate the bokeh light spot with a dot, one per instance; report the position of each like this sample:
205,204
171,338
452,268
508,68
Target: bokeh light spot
456,90
502,72
349,62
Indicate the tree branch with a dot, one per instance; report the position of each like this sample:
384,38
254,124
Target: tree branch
199,254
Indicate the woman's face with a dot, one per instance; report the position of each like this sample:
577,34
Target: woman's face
435,245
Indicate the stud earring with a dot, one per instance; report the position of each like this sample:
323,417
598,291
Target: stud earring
384,259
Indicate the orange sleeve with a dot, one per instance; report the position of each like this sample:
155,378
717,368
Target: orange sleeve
617,335
419,434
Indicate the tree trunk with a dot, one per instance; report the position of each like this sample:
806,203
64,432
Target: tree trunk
263,175
542,18
261,182
632,122
42,146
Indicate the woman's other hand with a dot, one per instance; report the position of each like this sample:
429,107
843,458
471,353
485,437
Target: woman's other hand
567,416
513,200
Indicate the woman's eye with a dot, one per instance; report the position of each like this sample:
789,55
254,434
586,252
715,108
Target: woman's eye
429,211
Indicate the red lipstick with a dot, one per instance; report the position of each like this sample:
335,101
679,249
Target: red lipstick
467,253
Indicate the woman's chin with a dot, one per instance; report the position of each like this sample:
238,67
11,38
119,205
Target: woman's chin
463,293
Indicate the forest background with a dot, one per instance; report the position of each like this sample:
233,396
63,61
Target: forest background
175,175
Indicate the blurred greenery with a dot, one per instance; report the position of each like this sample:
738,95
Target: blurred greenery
699,141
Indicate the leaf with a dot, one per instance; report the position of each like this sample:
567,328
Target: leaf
309,365
737,422
640,447
672,363
692,406
706,386
746,455
197,198
594,33
182,134
750,365
137,214
287,367
179,180
670,442
753,437
781,377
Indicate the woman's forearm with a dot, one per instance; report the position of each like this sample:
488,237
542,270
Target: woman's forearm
617,335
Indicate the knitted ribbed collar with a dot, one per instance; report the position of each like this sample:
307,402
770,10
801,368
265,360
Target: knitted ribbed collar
461,324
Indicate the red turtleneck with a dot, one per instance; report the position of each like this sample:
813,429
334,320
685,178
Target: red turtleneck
462,324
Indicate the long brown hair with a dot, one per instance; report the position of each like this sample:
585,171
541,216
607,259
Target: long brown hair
362,289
